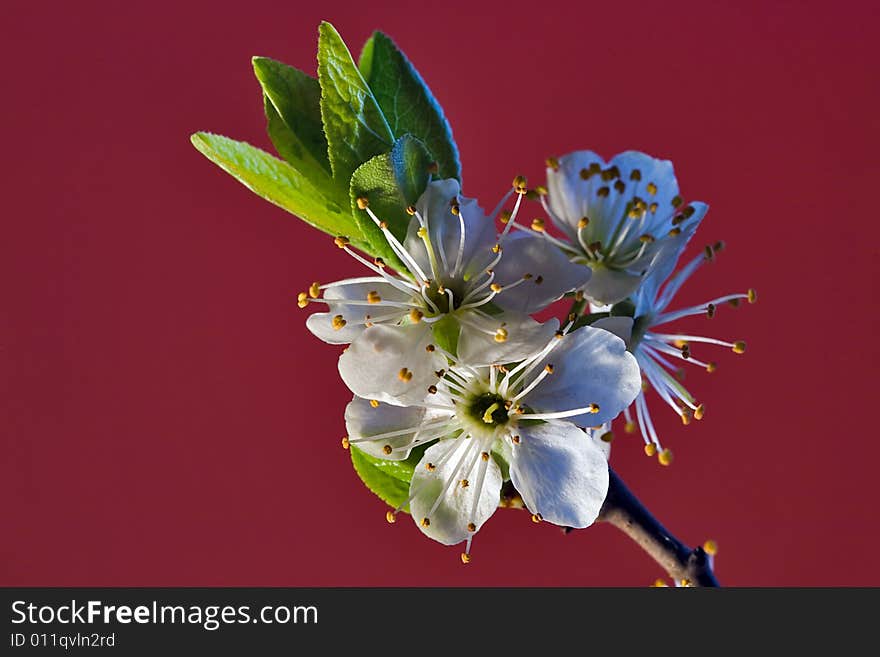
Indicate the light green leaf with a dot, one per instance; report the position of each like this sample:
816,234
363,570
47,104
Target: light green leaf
278,182
294,114
390,182
355,127
389,480
446,332
407,101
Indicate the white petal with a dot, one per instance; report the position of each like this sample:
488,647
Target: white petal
568,192
449,521
321,324
608,286
550,272
372,366
477,344
596,436
651,170
591,366
619,326
560,473
363,420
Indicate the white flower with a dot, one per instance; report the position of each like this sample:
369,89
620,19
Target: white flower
656,351
621,219
530,413
456,265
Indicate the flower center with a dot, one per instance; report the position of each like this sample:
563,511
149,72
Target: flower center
446,297
488,409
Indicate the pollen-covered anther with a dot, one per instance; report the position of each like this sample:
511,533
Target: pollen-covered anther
607,437
583,222
440,373
619,186
496,248
665,457
430,467
404,375
465,558
650,449
700,412
594,408
496,287
652,188
548,368
484,456
432,390
515,440
464,483
752,295
676,201
552,163
537,517
659,584
391,517
341,241
362,202
410,209
345,442
540,190
538,225
711,367
559,335
373,297
315,290
739,347
710,547
685,417
387,449
520,185
629,427
471,527
504,216
383,225
379,262
338,322
455,209
415,315
647,238
501,334
710,310
426,522
302,299
675,232
374,403
507,403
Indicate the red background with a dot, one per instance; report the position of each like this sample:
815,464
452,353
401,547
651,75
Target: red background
167,419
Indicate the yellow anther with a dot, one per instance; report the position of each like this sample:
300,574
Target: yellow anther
455,209
379,262
341,241
659,584
302,299
711,367
685,583
650,449
652,188
362,202
676,201
645,386
374,403
430,348
559,335
665,457
504,216
387,449
520,185
471,527
685,417
391,517
516,440
464,483
540,190
496,287
594,408
646,238
752,295
465,558
432,389
484,456
426,522
422,232
404,375
315,290
345,442
583,222
373,297
430,467
415,315
739,347
501,334
496,248
537,517
700,412
383,225
675,232
338,322
653,208
710,547
410,209
607,437
548,368
681,344
553,163
538,225
629,427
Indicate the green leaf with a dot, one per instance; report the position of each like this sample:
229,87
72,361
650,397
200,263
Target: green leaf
390,182
293,109
407,101
354,124
389,480
278,182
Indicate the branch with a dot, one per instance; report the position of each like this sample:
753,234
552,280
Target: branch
623,510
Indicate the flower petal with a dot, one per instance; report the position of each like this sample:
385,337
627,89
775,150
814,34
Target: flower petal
448,522
560,472
394,364
363,420
591,366
478,345
322,324
568,191
619,326
550,273
608,286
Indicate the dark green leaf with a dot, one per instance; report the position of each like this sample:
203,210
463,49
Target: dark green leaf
390,182
296,100
355,127
278,182
407,102
389,480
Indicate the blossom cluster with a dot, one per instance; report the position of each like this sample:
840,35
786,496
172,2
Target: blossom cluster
448,364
